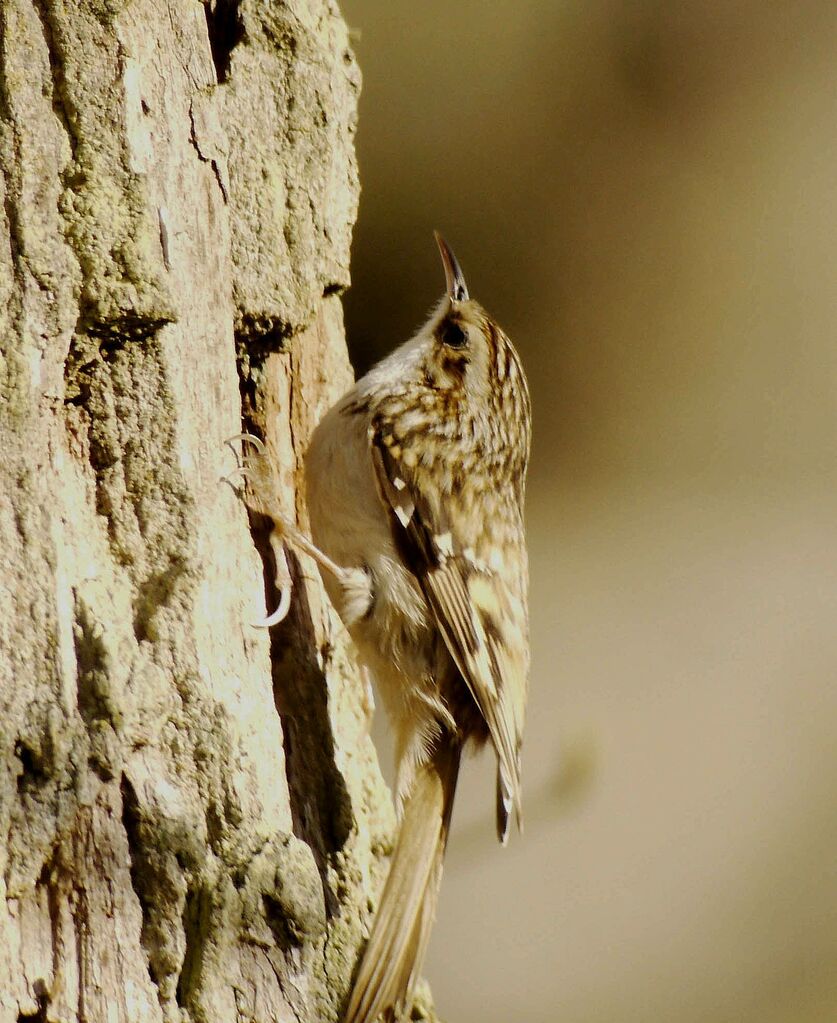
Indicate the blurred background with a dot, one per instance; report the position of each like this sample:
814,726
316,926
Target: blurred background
645,195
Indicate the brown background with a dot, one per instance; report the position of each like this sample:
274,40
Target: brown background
644,195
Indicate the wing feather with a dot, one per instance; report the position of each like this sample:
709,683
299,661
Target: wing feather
473,611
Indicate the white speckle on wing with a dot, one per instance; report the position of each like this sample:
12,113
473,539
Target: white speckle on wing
495,559
444,544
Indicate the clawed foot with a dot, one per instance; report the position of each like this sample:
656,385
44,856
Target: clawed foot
261,497
255,471
245,438
245,466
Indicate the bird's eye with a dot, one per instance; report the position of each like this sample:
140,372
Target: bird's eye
451,334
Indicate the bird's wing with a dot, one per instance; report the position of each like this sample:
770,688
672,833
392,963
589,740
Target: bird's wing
479,612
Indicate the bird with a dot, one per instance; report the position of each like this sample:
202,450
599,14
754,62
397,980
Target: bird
415,483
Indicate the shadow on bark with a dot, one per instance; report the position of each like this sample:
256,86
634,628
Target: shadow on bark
320,804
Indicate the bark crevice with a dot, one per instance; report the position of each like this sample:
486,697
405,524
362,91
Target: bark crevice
140,881
226,31
320,803
61,101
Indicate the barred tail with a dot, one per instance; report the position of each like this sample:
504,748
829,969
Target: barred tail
393,957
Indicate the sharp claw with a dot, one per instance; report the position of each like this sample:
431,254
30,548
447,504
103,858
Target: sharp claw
284,583
228,443
232,478
245,438
230,484
279,614
239,470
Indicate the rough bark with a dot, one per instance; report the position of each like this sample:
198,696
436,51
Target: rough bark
192,822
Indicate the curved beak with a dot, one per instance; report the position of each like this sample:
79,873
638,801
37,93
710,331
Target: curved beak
454,278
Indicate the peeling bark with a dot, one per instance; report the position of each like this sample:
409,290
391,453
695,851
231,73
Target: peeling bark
192,821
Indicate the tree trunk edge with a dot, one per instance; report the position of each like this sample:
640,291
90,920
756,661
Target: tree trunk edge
193,825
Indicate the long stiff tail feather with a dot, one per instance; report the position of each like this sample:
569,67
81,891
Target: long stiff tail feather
393,957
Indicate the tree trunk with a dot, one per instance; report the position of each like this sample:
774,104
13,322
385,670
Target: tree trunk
192,821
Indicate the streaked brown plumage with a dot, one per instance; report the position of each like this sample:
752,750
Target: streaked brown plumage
415,484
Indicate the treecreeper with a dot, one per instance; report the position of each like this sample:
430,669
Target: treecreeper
415,484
